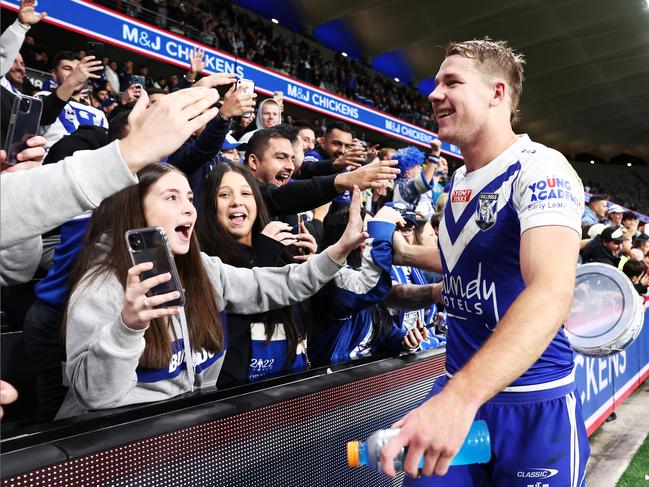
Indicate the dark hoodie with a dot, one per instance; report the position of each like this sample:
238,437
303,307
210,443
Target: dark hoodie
595,251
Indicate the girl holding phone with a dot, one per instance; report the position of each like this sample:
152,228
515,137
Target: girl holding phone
122,348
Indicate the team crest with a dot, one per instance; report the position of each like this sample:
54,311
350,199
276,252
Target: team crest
485,215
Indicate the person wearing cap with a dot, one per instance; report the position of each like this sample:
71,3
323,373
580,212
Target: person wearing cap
605,247
229,149
615,215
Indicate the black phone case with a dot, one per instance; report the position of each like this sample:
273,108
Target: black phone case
23,125
155,248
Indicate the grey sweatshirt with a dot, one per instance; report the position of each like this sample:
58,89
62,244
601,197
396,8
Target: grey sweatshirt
37,200
10,42
103,353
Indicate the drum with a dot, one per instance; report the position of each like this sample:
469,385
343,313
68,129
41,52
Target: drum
607,313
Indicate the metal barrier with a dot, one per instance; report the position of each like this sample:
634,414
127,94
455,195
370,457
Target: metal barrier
273,433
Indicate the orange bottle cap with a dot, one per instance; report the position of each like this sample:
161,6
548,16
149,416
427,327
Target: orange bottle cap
352,454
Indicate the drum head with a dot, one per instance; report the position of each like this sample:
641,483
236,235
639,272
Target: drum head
606,313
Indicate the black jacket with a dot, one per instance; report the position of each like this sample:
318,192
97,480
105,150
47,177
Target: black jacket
234,371
595,251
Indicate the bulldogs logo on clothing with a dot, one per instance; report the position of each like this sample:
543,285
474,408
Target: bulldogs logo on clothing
485,215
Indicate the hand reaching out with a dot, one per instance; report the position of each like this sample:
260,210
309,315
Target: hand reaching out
27,13
196,60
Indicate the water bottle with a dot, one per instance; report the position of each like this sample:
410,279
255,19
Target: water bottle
475,449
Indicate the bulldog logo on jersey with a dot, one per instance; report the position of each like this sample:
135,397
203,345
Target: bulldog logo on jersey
485,215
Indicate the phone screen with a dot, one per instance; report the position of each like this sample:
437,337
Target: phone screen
23,125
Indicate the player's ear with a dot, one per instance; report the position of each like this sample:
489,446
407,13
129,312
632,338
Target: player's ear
499,93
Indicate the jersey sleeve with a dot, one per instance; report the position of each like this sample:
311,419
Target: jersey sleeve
548,192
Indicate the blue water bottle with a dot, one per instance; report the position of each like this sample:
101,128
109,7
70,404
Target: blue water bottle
475,449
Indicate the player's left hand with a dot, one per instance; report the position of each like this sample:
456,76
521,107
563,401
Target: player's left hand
435,429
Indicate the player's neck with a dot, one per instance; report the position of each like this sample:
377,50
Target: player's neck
486,147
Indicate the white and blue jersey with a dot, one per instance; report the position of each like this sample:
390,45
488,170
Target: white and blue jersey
9,86
528,185
343,304
268,357
73,114
408,319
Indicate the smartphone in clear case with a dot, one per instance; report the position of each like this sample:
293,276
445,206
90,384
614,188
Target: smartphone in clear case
24,120
150,245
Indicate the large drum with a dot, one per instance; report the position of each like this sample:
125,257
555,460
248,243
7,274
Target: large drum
607,313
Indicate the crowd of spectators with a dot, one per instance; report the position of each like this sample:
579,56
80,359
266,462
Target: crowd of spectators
275,204
285,197
615,236
234,30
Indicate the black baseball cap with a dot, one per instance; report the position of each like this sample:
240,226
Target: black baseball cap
613,234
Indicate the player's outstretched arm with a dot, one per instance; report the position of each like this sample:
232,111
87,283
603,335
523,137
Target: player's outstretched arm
548,257
426,258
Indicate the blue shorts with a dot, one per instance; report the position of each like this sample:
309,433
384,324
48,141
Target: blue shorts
538,439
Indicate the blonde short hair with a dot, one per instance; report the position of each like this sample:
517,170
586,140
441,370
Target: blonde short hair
495,58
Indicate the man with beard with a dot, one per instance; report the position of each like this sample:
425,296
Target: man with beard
335,154
605,247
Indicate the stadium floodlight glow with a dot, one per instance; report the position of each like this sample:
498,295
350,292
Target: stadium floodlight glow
274,21
592,162
344,54
396,79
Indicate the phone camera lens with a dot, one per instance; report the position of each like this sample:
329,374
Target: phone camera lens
25,105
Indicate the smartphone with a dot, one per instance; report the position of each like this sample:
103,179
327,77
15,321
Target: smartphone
248,86
137,79
151,245
95,48
23,125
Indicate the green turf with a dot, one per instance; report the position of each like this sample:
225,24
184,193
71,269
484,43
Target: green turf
637,474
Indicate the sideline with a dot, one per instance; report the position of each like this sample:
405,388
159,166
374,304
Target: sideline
614,443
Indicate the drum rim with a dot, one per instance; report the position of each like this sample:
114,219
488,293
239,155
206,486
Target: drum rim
615,338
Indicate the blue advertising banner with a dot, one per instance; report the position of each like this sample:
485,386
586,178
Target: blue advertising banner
114,28
604,383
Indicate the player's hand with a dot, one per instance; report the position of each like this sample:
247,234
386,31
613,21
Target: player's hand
435,429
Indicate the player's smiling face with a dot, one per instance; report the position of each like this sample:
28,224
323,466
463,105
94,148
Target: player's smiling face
461,100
